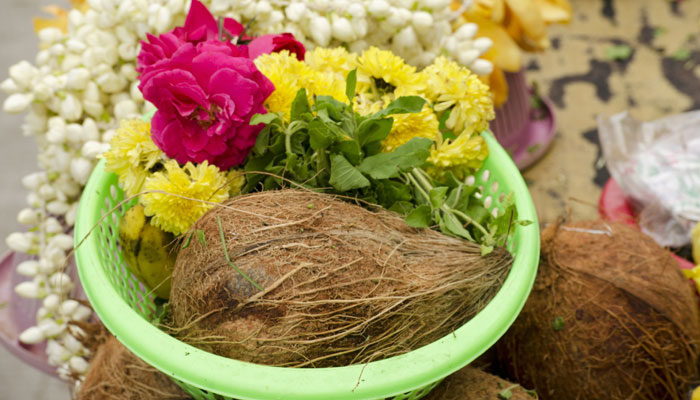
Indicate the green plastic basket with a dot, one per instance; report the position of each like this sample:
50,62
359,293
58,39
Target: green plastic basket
124,307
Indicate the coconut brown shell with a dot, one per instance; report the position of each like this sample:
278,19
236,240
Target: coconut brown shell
473,383
610,317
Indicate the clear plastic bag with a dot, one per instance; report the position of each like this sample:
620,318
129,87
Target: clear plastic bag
657,165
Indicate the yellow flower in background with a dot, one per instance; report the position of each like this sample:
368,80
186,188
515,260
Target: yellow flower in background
695,239
325,83
288,74
368,103
60,16
132,154
461,156
514,26
455,88
383,71
173,213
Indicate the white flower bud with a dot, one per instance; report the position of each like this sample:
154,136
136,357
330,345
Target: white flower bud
68,307
56,136
466,31
405,39
32,335
33,200
56,352
90,130
483,44
111,82
51,328
320,31
72,344
466,57
163,20
28,290
78,365
108,135
50,35
125,109
28,216
263,7
92,57
75,18
128,71
136,94
80,169
82,314
360,26
57,50
23,73
28,268
422,20
19,242
76,46
34,180
379,8
63,241
52,226
47,265
94,109
358,46
42,91
9,86
296,11
42,313
72,214
46,192
17,103
481,67
51,302
357,10
57,207
43,57
77,79
74,133
435,4
71,109
61,282
92,149
342,29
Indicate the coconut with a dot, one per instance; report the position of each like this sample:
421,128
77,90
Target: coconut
473,383
116,373
296,278
610,317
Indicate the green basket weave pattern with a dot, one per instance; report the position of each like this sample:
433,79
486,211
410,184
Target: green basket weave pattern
125,307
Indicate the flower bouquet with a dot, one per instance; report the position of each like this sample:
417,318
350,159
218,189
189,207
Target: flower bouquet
238,115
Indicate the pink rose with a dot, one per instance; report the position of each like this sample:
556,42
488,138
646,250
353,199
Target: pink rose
273,43
201,26
205,104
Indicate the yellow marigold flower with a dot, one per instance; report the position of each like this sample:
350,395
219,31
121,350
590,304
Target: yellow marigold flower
462,155
288,74
132,153
450,86
407,126
383,71
367,104
165,203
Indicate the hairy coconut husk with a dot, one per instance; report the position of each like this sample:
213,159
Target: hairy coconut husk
342,284
116,373
610,317
473,383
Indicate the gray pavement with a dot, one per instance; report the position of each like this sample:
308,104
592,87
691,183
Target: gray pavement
18,158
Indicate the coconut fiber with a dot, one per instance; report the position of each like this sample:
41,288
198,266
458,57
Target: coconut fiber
116,373
610,317
341,284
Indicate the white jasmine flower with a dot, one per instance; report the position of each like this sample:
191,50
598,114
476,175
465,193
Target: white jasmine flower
93,148
29,290
342,29
295,11
80,169
17,102
320,30
68,307
32,335
71,108
78,365
9,86
483,44
28,268
379,8
481,67
19,242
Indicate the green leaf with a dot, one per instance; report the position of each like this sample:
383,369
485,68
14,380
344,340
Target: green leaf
344,176
681,54
410,155
350,150
320,135
618,53
263,118
447,133
438,196
402,105
201,238
351,85
262,141
300,105
401,207
374,130
333,107
420,217
389,192
453,226
558,323
505,394
187,240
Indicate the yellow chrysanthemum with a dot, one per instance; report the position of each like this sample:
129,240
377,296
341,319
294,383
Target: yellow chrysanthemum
383,71
367,103
327,84
170,211
288,74
407,126
336,60
132,153
450,86
461,155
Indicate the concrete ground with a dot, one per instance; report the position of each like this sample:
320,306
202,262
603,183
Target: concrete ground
18,158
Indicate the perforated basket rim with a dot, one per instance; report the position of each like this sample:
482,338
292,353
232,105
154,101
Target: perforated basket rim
375,380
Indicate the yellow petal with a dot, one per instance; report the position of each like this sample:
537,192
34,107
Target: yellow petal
499,87
59,20
81,5
505,52
555,11
528,15
492,9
